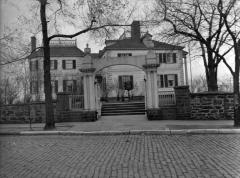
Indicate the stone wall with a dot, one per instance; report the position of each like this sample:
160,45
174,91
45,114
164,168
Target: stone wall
20,113
211,106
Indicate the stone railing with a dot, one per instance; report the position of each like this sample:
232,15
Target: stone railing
166,98
76,102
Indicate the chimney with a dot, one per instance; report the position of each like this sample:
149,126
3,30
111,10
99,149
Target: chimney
33,43
87,50
135,31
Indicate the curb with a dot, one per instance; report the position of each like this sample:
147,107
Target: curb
130,132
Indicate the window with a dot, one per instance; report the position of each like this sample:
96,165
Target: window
165,81
69,85
124,54
168,58
54,86
69,64
33,65
54,64
34,87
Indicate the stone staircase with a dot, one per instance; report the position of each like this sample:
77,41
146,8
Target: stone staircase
123,108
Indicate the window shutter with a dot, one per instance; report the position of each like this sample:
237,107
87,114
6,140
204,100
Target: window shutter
104,84
36,65
74,64
131,80
56,86
37,89
30,65
64,85
164,57
120,82
162,81
168,58
176,80
160,58
31,92
74,86
63,64
166,80
174,58
55,64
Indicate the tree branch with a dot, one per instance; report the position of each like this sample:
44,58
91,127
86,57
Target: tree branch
83,31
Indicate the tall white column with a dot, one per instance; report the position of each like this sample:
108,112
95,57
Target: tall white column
148,87
89,88
92,93
151,84
155,89
186,70
151,87
85,91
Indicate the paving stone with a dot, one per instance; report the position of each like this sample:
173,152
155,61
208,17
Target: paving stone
121,156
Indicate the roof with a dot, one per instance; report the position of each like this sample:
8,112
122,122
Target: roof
56,51
129,44
166,46
94,55
126,44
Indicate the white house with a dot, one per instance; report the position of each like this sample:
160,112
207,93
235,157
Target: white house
67,58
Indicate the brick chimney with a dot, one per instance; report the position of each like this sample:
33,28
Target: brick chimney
33,43
87,50
135,31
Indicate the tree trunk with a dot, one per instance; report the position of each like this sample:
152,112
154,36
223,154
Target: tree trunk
236,86
212,74
50,123
212,80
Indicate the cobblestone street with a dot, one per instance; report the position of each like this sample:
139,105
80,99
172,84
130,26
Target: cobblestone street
214,156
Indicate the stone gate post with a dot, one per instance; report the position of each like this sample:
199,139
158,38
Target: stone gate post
151,83
87,71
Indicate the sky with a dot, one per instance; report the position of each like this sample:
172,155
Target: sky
12,9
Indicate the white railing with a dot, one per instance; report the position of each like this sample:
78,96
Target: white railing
166,98
76,102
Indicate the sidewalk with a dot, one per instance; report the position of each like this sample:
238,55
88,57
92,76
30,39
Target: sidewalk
134,124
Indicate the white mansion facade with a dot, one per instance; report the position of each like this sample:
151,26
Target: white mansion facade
67,59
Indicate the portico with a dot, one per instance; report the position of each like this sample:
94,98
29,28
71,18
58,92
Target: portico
91,66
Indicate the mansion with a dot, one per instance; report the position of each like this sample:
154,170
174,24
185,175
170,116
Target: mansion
67,60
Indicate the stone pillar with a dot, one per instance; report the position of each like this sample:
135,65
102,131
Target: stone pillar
89,89
62,105
183,106
151,83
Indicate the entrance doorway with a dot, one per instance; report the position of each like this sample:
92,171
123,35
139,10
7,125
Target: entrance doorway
122,83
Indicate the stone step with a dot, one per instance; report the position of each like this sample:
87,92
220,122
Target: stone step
125,113
130,108
123,110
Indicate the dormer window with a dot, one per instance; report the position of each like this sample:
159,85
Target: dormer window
124,54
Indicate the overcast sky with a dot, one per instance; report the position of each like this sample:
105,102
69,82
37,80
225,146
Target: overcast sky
12,9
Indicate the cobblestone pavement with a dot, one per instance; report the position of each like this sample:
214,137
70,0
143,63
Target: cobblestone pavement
192,156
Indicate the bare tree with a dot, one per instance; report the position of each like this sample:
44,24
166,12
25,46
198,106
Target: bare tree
230,12
95,14
195,21
199,84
